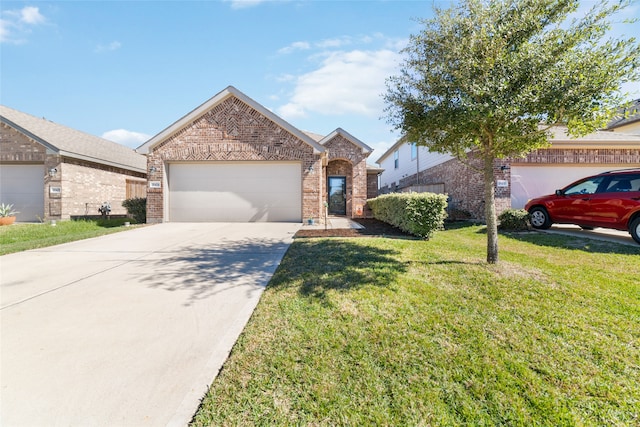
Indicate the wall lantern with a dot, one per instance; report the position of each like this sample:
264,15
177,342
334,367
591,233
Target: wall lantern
52,172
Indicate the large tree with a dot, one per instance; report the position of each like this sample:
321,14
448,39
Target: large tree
487,78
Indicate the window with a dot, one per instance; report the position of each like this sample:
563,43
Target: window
623,183
414,150
588,186
396,159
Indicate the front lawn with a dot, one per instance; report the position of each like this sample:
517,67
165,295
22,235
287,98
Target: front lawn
21,237
379,331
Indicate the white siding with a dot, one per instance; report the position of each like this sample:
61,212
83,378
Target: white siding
408,166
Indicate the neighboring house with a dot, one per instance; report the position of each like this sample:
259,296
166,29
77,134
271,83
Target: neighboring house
628,120
231,159
411,168
49,171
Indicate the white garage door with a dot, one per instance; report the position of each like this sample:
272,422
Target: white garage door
528,182
235,192
23,187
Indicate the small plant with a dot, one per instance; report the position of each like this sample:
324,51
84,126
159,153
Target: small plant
137,208
514,220
7,210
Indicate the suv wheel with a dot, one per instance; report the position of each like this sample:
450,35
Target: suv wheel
539,218
634,229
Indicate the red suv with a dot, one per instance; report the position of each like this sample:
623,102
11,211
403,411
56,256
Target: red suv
609,200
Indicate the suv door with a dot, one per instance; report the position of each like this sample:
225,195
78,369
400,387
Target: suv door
612,205
573,205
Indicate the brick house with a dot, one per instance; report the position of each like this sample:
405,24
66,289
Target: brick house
231,159
49,171
411,168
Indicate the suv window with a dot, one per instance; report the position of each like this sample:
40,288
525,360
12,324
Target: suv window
588,186
622,183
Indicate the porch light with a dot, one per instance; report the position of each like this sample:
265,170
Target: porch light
52,172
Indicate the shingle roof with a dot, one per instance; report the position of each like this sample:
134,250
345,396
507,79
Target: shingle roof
626,115
560,135
73,143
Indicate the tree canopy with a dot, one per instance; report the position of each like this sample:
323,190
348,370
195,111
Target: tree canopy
491,76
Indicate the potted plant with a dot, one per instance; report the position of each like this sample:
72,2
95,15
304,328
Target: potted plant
7,214
310,221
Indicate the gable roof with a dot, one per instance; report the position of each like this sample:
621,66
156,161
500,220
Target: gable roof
73,143
355,141
626,115
214,101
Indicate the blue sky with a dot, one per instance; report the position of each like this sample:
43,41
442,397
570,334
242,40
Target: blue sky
125,70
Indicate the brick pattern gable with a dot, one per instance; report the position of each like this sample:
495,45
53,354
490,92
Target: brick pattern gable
233,130
16,147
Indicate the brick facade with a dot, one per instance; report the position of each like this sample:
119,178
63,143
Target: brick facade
84,186
603,156
234,131
465,186
347,159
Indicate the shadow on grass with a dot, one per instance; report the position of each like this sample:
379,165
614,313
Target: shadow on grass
317,266
204,272
562,241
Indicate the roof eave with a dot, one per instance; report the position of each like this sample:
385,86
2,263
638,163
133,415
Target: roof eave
339,131
215,100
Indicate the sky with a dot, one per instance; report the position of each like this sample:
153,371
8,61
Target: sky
126,70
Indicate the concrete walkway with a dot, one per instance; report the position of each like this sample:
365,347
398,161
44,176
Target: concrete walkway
333,222
128,329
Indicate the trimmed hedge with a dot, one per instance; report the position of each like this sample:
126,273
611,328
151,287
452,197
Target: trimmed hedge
419,214
137,208
514,220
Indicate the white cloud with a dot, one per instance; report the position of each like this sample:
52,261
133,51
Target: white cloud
244,4
114,45
346,83
126,137
16,24
31,15
294,47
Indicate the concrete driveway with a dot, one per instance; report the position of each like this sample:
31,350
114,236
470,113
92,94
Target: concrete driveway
128,329
603,234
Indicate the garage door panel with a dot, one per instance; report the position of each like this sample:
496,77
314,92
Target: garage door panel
235,192
528,182
23,187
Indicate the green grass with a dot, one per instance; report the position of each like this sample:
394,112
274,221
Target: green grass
375,331
21,237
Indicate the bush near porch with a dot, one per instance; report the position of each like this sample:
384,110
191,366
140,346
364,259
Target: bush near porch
419,214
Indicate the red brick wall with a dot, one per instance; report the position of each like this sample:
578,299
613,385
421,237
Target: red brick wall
347,159
234,131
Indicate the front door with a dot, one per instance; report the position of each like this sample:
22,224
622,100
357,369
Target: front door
337,195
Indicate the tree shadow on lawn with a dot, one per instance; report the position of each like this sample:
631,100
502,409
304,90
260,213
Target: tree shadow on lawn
205,271
320,265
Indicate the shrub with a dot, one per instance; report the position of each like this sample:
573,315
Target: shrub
514,220
137,209
417,213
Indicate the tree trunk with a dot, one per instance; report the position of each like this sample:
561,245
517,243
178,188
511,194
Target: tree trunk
490,211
